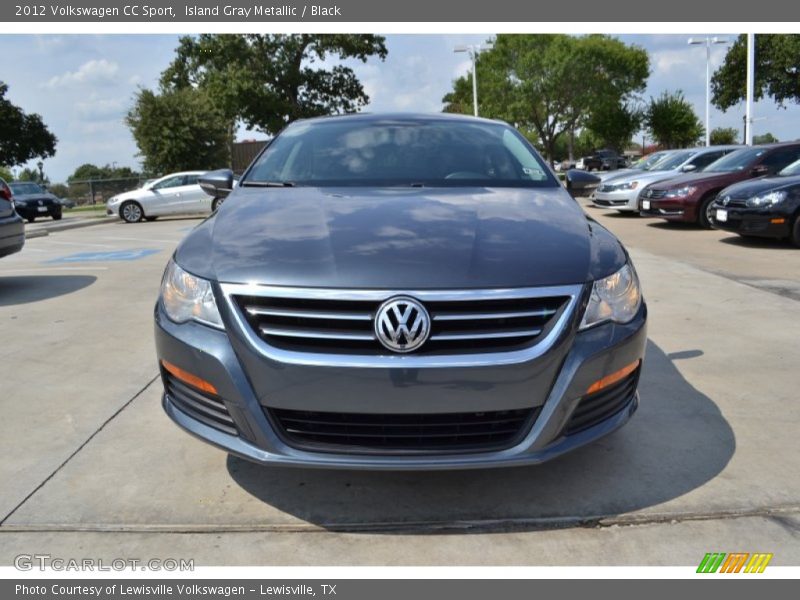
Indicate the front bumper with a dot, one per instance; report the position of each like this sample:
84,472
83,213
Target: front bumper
588,356
625,200
753,221
32,210
671,209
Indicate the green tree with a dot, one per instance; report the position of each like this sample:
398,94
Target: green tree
776,73
28,174
6,174
22,136
614,125
178,130
766,138
672,122
552,84
724,135
89,171
268,80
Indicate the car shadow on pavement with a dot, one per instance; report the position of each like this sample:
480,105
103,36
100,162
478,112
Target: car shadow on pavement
758,242
677,441
33,288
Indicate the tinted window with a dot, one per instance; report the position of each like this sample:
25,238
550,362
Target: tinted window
705,159
171,182
26,187
400,152
674,160
736,161
191,180
780,159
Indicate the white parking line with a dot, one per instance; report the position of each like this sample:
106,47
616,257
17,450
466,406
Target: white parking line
6,271
81,244
142,240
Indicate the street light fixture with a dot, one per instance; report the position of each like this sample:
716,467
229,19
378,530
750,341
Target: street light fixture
708,41
474,50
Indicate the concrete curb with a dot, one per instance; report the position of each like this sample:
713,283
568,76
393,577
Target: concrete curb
65,227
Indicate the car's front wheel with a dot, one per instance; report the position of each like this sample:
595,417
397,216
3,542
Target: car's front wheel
131,212
31,219
705,212
57,217
216,204
794,236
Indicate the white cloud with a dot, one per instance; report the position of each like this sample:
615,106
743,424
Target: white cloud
91,72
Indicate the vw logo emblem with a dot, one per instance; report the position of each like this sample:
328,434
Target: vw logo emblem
725,200
402,324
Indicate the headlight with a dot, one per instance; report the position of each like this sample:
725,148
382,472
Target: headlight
681,192
615,298
629,185
766,199
186,297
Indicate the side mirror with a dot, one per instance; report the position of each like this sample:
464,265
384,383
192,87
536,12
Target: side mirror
217,184
688,168
580,180
759,170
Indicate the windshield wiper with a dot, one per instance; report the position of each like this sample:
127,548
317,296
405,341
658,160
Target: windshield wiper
267,184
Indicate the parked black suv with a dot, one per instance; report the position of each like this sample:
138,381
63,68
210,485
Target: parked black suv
604,160
33,201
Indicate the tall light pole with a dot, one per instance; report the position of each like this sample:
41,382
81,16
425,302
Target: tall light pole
474,50
751,75
708,41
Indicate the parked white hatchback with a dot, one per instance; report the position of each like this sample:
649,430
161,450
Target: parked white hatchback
173,194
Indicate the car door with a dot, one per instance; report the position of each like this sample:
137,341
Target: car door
166,196
778,159
195,200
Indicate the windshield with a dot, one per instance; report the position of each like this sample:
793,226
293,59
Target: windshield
399,152
735,161
673,160
647,162
23,188
792,169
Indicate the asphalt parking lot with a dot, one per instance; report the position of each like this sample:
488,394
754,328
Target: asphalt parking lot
92,467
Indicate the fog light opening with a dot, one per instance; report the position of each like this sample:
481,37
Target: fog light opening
186,377
613,377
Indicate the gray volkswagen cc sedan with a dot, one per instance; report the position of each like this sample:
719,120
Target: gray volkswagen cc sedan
399,292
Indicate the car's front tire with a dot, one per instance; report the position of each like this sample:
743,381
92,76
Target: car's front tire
30,219
794,236
131,212
704,211
57,217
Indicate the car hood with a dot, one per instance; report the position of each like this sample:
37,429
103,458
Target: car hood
409,238
754,187
34,197
699,179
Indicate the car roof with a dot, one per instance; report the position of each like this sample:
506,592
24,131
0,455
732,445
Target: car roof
401,116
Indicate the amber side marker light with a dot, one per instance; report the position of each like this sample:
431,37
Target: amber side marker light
614,377
777,221
186,377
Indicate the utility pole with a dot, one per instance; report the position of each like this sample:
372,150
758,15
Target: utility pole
473,50
751,71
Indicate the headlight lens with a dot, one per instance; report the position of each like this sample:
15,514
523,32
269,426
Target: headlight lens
766,199
615,298
618,187
186,297
681,192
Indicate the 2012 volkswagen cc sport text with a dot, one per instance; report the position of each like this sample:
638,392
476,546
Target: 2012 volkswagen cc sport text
399,292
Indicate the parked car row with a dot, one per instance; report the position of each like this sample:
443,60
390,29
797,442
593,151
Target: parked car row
752,191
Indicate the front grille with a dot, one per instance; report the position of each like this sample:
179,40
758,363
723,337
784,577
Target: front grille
347,326
402,433
205,407
598,407
736,202
654,194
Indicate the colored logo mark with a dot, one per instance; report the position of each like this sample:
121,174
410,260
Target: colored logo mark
116,255
735,562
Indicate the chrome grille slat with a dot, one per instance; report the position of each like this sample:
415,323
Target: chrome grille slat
307,314
490,335
313,334
468,316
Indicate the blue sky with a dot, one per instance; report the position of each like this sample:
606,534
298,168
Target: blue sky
82,85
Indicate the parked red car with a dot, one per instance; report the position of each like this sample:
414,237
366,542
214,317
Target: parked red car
689,197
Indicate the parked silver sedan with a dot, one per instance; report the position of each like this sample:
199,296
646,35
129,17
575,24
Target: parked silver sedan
176,193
